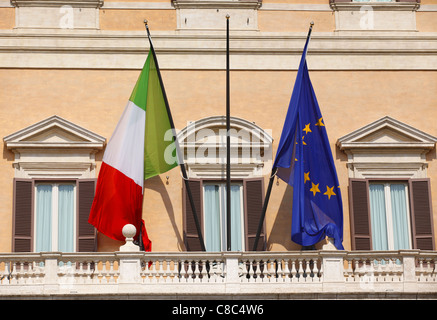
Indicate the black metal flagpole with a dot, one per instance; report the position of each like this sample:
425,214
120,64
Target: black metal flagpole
179,155
269,189
228,144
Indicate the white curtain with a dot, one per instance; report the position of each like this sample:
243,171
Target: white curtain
400,216
378,217
43,218
215,220
236,243
66,218
212,218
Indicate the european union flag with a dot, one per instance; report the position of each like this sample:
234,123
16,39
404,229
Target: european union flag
304,160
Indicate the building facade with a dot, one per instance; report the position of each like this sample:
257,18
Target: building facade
67,69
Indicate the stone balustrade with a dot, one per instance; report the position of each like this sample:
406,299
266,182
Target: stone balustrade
322,273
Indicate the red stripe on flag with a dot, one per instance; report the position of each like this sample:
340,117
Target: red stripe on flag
118,201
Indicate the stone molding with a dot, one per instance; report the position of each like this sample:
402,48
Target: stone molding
42,48
387,148
54,148
58,3
251,148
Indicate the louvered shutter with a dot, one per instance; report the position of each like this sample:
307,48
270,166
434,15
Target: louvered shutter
22,229
421,214
191,238
253,203
86,233
360,214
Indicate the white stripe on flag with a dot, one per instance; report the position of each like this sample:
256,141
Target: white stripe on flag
125,149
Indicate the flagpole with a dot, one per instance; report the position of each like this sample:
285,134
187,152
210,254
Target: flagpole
179,155
272,177
228,144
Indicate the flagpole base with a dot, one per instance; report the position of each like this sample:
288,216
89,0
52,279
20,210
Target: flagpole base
129,231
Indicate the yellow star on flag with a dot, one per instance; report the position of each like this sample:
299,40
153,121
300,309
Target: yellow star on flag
314,189
307,128
329,192
320,123
306,176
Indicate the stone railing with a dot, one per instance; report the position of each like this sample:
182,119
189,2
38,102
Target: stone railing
323,273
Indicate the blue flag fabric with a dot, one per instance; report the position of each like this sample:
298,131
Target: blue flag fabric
304,160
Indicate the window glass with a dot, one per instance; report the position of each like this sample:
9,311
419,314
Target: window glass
389,215
215,217
54,217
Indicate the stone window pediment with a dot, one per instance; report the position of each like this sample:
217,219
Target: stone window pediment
387,148
54,148
203,143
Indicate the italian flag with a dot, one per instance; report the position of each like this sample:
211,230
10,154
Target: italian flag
135,152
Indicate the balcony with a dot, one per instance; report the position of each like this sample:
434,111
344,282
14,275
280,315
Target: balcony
322,274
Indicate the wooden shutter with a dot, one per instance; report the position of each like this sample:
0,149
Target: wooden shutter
360,214
191,238
22,228
253,203
421,214
86,233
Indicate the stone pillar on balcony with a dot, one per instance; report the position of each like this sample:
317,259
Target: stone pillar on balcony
409,265
130,261
232,272
51,284
333,270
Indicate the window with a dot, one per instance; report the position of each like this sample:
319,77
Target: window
54,217
389,216
210,201
214,210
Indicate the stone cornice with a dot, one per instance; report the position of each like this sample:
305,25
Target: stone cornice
216,4
58,3
376,6
193,50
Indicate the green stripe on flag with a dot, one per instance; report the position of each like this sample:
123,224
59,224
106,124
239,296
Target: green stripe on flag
139,94
148,95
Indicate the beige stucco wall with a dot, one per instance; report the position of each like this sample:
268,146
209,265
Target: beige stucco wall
7,18
134,19
95,99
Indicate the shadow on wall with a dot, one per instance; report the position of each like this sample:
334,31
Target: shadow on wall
156,184
280,234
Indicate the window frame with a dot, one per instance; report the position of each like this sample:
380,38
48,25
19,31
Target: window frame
389,210
223,231
24,219
359,213
251,212
55,211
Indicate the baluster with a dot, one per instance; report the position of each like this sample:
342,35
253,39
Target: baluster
196,271
182,271
264,272
271,272
257,274
169,273
321,270
293,271
111,272
160,271
308,270
434,270
280,271
286,271
300,271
